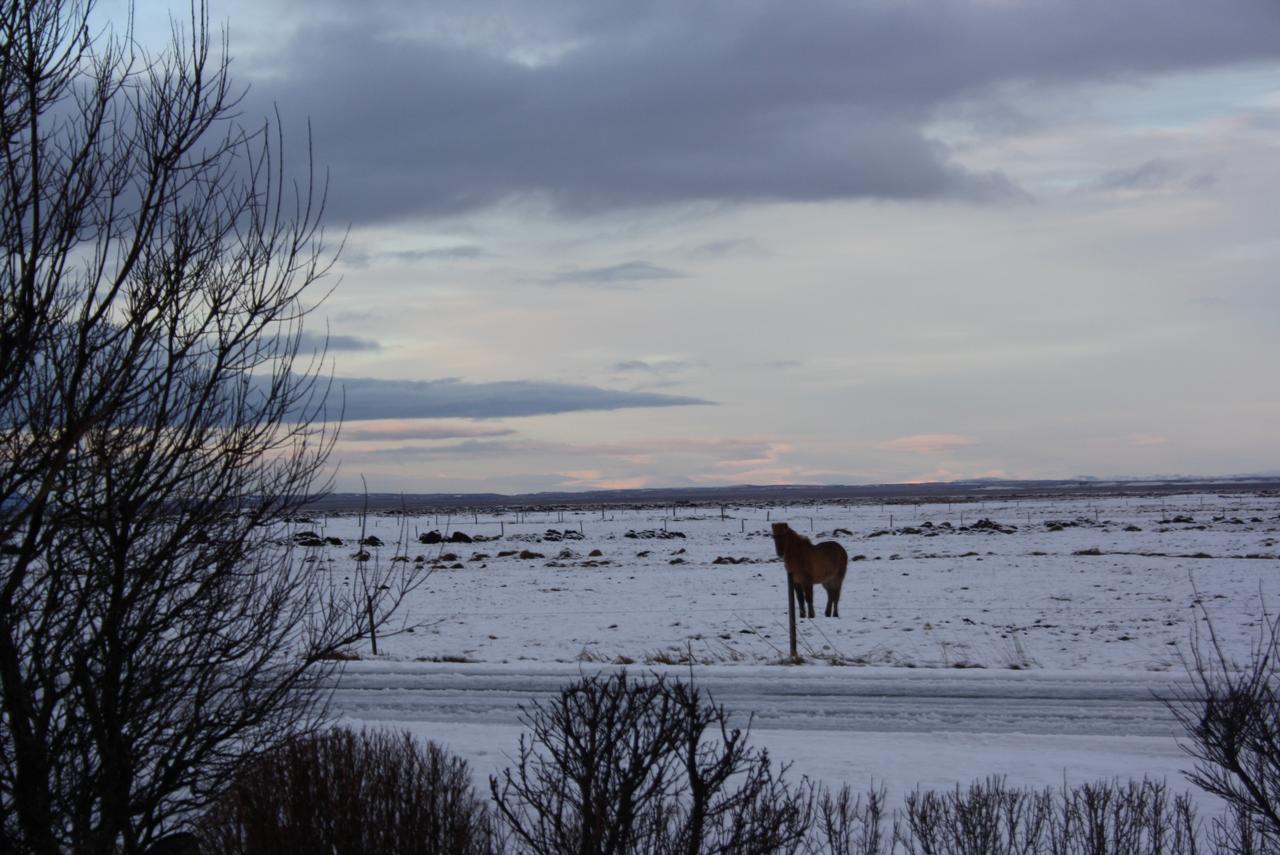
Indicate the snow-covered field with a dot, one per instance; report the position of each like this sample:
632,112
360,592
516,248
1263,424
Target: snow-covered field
1053,584
1024,637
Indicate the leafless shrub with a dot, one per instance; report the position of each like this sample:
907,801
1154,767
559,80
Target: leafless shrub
1231,717
987,819
849,825
990,818
1130,818
615,765
347,792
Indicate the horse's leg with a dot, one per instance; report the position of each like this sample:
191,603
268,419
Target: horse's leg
798,593
833,598
808,597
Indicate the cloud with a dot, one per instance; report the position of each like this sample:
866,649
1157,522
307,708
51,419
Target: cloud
367,399
447,253
724,248
594,479
658,366
604,106
767,475
637,454
396,430
319,341
1146,439
361,258
1155,174
943,474
629,271
928,443
467,449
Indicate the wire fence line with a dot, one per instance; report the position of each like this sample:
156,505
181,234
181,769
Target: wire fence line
830,518
986,612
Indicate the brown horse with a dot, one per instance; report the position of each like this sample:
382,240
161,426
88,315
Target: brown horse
807,565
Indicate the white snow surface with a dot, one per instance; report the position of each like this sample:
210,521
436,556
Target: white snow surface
1039,651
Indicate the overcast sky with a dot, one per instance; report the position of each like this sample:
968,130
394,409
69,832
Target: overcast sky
601,244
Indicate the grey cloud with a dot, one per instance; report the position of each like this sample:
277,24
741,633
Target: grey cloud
421,432
720,450
629,271
723,248
444,254
434,110
659,366
318,341
467,448
632,365
1155,174
370,399
362,258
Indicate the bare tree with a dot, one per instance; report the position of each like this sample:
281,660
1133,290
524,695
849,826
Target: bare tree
158,428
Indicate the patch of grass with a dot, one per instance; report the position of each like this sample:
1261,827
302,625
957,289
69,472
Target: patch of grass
670,656
589,655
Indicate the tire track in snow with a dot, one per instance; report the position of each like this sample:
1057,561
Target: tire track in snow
782,698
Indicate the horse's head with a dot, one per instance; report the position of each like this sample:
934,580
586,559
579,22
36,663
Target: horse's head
781,533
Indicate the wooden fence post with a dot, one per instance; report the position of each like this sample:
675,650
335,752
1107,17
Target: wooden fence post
791,616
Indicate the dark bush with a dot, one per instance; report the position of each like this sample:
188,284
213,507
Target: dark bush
1232,718
343,792
990,818
614,765
849,825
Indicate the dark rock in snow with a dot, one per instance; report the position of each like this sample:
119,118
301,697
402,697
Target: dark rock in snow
654,534
990,526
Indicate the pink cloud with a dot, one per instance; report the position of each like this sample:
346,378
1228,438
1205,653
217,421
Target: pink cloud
928,443
408,429
1144,439
593,479
768,475
944,474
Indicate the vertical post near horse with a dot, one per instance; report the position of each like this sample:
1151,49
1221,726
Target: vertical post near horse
791,615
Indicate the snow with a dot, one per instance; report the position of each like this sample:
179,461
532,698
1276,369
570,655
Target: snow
899,762
973,598
989,639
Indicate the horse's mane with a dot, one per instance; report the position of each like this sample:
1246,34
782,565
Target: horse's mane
785,534
797,537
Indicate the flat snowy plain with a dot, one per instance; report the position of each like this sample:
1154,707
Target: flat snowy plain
1026,637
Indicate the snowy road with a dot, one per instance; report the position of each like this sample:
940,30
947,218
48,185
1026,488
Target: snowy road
897,727
835,699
